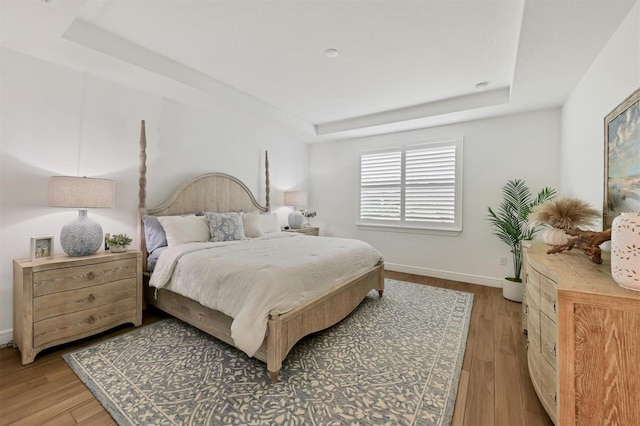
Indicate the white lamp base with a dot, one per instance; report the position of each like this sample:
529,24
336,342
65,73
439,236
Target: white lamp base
82,236
295,220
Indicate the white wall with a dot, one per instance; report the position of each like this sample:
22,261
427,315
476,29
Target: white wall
53,123
563,149
613,76
522,146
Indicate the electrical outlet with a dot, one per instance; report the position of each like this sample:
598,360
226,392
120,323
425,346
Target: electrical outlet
503,261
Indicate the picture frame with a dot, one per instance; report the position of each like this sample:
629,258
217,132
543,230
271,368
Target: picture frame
41,247
622,159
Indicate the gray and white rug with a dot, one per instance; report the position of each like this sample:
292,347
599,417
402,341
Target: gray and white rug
394,360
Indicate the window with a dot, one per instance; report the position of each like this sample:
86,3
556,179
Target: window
413,186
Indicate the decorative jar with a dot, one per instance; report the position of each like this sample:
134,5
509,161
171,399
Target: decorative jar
625,250
554,236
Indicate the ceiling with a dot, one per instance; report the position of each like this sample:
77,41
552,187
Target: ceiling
401,64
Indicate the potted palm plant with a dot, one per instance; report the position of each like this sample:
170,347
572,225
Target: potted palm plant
511,227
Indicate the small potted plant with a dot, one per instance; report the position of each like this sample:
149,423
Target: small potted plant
118,243
308,214
511,227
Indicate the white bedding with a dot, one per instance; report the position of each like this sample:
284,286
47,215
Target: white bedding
247,279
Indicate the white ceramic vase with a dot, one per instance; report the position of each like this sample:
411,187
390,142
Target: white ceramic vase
625,250
295,220
554,236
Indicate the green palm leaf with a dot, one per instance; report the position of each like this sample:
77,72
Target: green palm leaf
510,219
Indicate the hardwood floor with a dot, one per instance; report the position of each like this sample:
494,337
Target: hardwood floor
494,388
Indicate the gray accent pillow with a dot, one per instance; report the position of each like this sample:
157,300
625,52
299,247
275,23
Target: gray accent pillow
154,235
226,226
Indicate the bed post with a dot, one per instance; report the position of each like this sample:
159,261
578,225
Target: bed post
142,193
266,174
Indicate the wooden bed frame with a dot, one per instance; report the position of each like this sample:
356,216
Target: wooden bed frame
218,192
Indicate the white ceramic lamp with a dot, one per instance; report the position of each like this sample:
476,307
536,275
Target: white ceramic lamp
295,199
82,236
625,246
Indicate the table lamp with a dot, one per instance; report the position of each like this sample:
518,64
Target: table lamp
82,236
295,199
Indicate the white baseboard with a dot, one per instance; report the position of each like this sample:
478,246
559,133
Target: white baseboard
445,275
5,337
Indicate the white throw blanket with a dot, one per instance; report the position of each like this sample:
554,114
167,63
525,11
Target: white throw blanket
247,279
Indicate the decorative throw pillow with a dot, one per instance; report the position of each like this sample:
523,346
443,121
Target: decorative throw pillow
184,229
154,235
269,223
251,223
226,227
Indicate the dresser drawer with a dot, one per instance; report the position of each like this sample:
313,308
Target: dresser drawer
525,311
548,297
548,333
533,295
533,286
62,328
67,302
543,378
76,277
548,389
533,327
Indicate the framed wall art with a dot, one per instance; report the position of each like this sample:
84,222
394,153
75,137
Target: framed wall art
41,247
622,159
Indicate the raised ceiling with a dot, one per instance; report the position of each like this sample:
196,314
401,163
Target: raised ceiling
402,64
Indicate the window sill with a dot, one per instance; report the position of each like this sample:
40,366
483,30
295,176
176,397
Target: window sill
409,229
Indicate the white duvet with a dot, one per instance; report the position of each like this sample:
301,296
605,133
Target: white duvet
247,279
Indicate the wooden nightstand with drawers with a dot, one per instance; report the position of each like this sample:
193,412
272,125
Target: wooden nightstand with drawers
66,298
309,230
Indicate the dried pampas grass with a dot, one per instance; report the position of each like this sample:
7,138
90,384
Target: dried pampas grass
564,213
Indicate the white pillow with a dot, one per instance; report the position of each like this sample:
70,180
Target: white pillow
185,229
269,223
251,222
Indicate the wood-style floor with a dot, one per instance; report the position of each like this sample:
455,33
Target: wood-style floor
494,388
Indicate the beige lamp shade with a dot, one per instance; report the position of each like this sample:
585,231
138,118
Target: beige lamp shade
81,192
295,198
82,236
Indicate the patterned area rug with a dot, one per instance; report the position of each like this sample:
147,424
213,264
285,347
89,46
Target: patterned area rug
394,360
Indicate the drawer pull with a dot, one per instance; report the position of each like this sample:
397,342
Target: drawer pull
554,349
91,275
555,399
92,298
554,307
92,319
526,308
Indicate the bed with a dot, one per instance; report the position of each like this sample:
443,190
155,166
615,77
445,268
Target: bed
322,306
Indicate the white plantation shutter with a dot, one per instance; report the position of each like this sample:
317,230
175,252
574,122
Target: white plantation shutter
414,186
380,185
430,184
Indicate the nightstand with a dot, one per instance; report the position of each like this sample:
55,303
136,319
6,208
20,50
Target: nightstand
310,230
66,298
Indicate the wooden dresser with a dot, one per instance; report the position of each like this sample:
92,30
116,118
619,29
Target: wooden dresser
67,298
583,338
